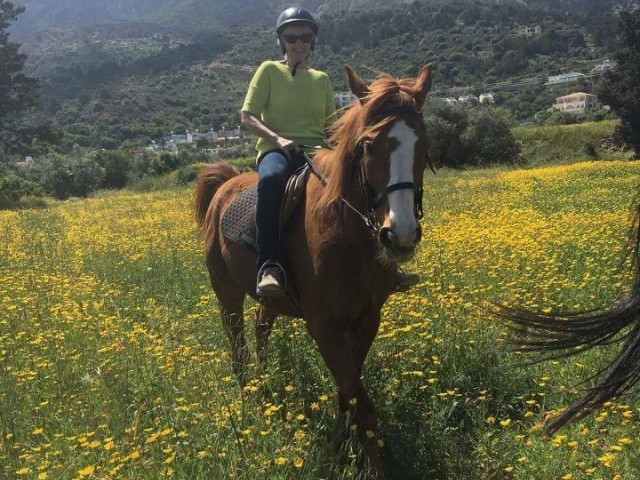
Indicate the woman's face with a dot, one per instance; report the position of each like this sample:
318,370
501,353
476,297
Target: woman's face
297,40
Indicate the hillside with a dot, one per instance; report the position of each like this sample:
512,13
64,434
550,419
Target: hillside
136,80
44,14
197,14
205,14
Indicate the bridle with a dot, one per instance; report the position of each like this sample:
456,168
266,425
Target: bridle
373,199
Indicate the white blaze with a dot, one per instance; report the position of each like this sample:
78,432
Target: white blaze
403,221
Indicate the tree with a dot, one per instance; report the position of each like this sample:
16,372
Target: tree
461,135
17,90
620,88
76,174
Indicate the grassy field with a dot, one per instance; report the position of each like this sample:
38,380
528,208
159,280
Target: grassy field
113,363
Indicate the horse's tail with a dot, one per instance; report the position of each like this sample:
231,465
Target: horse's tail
208,183
563,335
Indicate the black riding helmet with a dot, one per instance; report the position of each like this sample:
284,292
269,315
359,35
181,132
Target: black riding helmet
296,15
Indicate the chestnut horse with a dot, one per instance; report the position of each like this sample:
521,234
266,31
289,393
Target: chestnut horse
358,219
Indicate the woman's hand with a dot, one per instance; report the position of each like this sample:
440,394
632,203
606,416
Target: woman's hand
289,147
257,126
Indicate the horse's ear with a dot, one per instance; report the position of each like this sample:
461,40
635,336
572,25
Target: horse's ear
356,84
423,84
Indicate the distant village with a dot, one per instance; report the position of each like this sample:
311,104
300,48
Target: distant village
211,138
577,103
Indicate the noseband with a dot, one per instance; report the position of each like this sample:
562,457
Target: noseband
373,199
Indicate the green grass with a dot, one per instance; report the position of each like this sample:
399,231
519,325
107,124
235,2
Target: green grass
113,363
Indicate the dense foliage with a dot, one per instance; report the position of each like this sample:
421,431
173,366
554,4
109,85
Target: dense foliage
126,84
139,81
82,171
14,188
459,135
621,88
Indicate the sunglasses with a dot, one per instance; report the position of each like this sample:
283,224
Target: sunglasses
304,38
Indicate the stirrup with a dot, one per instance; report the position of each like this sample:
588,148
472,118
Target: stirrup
276,289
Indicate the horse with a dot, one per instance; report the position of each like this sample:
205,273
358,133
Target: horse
358,219
564,334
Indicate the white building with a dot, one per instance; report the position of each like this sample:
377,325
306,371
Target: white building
532,31
486,98
344,99
177,137
576,103
603,66
193,137
153,146
467,99
451,101
233,134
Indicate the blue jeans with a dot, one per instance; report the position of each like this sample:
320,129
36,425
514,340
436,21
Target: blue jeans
273,172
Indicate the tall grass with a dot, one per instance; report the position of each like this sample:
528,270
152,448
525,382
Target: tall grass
113,363
569,143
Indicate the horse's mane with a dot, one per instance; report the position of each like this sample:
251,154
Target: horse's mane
354,125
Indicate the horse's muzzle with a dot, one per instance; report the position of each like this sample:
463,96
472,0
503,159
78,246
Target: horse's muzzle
394,248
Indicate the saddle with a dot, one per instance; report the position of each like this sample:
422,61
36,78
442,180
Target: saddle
239,219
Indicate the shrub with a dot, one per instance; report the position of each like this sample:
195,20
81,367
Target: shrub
77,174
562,118
152,183
117,168
187,174
235,151
488,138
13,188
461,136
150,164
590,149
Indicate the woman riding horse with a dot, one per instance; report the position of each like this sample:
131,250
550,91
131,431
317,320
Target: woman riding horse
358,219
288,105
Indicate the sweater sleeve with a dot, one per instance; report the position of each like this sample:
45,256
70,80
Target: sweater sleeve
331,104
257,97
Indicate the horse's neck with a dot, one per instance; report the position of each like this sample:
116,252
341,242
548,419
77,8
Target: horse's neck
344,218
340,246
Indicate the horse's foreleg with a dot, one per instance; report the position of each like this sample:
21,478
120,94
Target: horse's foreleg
360,338
337,350
264,324
233,323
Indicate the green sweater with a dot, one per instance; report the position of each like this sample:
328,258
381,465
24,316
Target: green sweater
298,108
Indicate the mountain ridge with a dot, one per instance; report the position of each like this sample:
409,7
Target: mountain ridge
203,14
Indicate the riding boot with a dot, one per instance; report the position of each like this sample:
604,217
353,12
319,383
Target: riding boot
273,174
272,280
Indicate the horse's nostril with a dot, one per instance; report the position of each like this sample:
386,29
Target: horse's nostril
418,235
386,237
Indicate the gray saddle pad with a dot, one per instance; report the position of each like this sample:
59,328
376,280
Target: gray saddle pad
239,220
